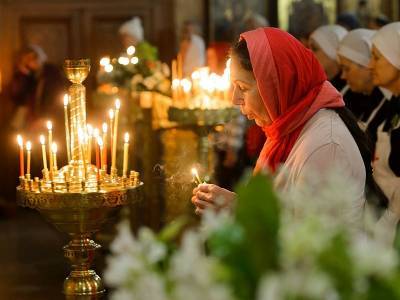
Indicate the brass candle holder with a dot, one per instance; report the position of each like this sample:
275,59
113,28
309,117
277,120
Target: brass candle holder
79,197
202,121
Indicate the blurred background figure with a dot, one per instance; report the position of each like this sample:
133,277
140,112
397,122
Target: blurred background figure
324,42
348,21
192,48
254,21
217,54
36,88
378,21
131,32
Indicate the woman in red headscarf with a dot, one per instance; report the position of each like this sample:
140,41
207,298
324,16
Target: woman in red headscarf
280,84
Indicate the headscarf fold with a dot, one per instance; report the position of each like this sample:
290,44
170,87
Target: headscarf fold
293,87
387,40
356,46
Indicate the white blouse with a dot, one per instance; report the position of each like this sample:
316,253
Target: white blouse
325,144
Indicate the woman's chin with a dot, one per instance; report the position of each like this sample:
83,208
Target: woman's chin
259,122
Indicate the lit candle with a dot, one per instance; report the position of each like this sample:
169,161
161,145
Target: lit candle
104,151
44,156
111,117
131,50
98,165
21,155
114,145
28,157
67,135
50,142
196,176
54,151
89,144
125,162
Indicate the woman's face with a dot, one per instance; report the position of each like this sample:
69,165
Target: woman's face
326,62
384,74
246,94
358,77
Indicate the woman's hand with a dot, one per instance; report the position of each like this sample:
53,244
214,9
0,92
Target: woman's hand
211,196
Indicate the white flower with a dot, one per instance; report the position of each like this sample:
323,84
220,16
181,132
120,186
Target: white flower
121,267
151,248
124,242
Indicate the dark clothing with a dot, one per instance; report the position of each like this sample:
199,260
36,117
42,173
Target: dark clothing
362,105
338,82
389,115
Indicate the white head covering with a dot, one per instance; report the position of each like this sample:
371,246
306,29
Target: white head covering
133,27
328,38
356,46
42,56
387,40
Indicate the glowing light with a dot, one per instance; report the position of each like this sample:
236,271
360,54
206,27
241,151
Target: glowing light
134,60
66,99
20,140
28,146
49,125
108,68
131,50
42,139
117,104
54,148
126,137
105,61
123,60
104,127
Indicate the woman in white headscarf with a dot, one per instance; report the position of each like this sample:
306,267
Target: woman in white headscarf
131,32
324,42
354,54
385,127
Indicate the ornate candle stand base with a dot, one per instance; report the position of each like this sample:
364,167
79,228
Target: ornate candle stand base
202,122
80,214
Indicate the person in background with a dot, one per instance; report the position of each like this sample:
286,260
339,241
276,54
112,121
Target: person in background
324,42
217,54
354,54
192,49
385,127
378,21
132,34
348,21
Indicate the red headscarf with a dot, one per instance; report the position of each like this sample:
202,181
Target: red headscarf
293,87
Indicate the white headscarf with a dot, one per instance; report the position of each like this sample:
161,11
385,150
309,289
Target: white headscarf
387,41
356,46
42,56
328,38
134,28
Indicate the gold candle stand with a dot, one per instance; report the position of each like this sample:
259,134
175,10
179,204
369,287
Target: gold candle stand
77,199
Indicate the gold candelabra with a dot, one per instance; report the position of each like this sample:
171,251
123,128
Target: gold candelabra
79,197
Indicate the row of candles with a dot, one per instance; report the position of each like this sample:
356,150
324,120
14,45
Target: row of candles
201,82
85,141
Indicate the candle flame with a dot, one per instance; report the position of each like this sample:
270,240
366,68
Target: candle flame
126,137
66,99
20,140
100,142
28,146
104,61
117,103
131,50
96,133
186,85
89,129
111,113
175,83
49,125
42,139
104,127
134,60
54,148
194,172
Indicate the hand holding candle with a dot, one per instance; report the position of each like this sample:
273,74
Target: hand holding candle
20,142
125,162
